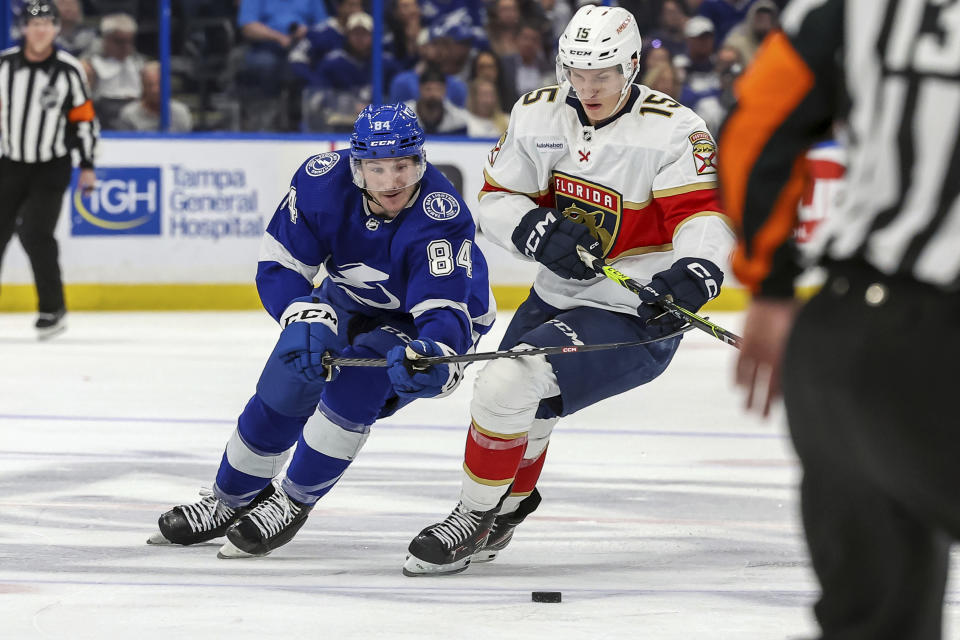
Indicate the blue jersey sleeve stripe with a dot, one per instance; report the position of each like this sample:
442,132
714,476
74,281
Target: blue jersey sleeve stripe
271,250
438,303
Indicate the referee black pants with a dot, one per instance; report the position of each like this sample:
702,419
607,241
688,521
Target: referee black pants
872,392
31,195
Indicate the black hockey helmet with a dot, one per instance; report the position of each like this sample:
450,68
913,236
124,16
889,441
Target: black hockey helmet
39,9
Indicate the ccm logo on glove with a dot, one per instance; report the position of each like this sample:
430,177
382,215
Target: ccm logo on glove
713,288
309,309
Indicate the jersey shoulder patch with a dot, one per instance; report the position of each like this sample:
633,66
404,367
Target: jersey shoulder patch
321,164
441,206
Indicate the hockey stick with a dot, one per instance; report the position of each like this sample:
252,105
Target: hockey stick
602,268
333,361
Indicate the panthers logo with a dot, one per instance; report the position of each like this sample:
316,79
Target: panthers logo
593,205
593,221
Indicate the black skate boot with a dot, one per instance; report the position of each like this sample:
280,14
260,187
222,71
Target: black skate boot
448,546
198,522
270,524
503,526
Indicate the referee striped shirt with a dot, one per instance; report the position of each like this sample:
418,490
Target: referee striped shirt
45,108
890,70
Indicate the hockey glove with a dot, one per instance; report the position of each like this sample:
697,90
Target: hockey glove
413,381
551,239
690,282
293,378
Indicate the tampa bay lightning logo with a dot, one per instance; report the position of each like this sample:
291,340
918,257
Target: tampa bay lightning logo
441,206
356,278
321,164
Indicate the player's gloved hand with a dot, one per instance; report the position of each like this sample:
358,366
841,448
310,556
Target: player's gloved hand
411,381
302,346
293,378
551,239
690,283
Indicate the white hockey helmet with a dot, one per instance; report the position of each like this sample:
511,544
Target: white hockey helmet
599,38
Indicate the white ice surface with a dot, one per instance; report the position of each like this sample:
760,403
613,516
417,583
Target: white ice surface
667,514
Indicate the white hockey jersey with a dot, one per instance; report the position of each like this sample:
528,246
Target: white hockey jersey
644,183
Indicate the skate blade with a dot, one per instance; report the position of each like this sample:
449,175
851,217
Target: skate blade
158,538
53,332
415,567
485,556
229,551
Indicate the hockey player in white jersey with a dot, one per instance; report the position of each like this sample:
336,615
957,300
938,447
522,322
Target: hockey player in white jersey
626,173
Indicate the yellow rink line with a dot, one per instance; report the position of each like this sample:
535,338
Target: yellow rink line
214,297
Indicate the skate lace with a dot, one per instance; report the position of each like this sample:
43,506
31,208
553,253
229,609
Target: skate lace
207,514
458,527
273,514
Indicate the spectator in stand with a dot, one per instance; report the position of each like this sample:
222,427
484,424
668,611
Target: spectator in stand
407,33
343,78
114,68
406,84
529,65
322,38
557,14
724,14
436,114
713,108
503,26
485,117
75,37
447,12
700,75
762,18
656,56
669,34
663,77
144,114
272,28
487,66
456,51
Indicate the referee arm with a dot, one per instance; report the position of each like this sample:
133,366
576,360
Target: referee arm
82,127
786,100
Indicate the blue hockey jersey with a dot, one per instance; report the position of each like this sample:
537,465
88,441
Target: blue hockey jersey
422,264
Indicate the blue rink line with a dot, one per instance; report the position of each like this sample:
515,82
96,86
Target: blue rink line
751,435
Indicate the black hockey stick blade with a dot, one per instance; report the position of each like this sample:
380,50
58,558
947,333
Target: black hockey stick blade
602,268
333,361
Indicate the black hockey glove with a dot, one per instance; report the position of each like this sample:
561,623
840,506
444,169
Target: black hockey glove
545,235
691,282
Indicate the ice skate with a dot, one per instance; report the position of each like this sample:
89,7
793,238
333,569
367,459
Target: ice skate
448,546
49,325
198,522
503,526
272,523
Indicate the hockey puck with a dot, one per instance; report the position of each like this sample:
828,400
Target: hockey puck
545,596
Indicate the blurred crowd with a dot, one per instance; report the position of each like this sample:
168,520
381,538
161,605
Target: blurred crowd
306,65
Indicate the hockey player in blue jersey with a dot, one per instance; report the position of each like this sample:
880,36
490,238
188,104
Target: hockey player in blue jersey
404,279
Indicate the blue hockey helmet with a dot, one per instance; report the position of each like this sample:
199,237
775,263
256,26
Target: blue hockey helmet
386,132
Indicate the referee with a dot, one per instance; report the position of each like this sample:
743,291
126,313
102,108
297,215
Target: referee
870,366
45,111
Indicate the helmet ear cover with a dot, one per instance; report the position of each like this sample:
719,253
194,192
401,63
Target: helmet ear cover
386,132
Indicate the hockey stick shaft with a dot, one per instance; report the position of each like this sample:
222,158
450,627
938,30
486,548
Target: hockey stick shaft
602,268
334,361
